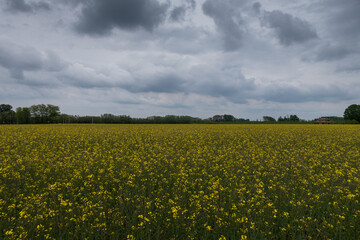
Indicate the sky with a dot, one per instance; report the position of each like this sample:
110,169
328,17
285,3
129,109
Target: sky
184,57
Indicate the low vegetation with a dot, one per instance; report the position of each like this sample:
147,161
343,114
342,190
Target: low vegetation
179,182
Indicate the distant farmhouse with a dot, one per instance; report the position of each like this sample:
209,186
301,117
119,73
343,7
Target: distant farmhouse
323,120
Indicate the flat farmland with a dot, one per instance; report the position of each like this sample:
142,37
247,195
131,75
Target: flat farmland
179,182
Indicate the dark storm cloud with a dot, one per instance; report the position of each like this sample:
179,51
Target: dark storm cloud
289,29
100,17
19,59
228,22
22,6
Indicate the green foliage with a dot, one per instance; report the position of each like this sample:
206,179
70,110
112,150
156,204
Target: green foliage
5,108
7,115
42,113
352,112
291,118
229,118
23,115
268,119
223,118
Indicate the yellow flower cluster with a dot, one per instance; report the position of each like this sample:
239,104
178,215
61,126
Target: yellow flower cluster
180,182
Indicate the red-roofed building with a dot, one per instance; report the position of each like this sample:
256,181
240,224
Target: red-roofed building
323,121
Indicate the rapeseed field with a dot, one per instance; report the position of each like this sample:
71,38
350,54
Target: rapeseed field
180,182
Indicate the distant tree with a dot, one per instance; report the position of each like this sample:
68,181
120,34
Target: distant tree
242,120
5,108
229,118
52,112
291,118
268,119
23,115
218,118
35,114
294,118
352,112
7,115
42,113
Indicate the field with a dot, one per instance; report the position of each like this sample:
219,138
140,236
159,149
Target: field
180,182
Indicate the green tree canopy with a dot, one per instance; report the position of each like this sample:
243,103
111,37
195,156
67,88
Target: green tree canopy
291,118
5,108
268,119
7,115
352,112
23,115
42,113
229,118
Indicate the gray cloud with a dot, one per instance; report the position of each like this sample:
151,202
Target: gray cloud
292,94
72,2
222,81
85,77
339,29
289,29
139,81
99,17
344,20
192,3
174,60
178,13
350,68
205,80
327,53
22,6
228,21
332,53
235,91
257,8
19,59
167,83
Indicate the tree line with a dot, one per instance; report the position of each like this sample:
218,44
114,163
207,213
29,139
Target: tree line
47,113
40,113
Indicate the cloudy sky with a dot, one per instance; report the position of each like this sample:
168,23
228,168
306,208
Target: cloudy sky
185,57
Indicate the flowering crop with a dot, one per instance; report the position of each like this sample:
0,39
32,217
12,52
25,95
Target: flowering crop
179,182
